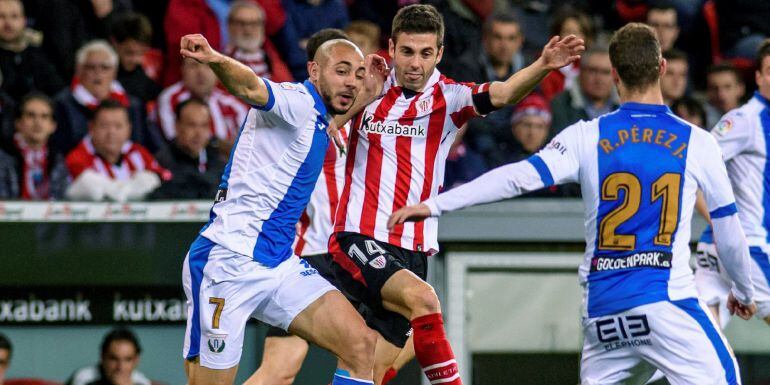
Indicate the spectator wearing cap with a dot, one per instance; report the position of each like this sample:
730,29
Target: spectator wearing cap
24,65
118,362
107,164
591,96
248,45
501,56
40,169
195,164
724,91
131,36
198,80
673,83
96,81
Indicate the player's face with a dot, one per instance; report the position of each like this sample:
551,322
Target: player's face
12,20
415,56
97,73
131,53
502,41
5,361
119,362
109,131
198,78
762,76
246,27
340,78
531,131
596,77
193,129
673,83
724,91
36,123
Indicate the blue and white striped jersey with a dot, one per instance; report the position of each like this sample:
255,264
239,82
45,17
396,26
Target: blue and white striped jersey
639,169
272,171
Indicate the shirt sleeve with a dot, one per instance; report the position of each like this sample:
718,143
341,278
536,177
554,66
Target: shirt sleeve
713,179
468,100
287,101
556,164
733,133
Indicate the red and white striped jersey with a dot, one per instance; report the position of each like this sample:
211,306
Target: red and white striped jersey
227,111
397,154
135,158
317,222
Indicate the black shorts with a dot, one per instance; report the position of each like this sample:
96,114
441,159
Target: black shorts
361,266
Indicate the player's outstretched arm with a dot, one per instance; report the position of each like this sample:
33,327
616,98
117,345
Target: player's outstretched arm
556,54
239,79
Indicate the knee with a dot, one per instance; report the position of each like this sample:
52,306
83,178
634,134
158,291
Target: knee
422,301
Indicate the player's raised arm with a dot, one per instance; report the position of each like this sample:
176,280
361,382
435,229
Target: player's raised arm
239,79
556,164
556,54
732,247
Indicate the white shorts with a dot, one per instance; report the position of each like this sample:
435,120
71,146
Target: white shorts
678,337
714,284
224,289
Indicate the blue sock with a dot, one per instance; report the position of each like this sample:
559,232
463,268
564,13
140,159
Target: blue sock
342,377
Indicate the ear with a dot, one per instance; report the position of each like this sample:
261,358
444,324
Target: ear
663,67
391,48
615,77
440,54
314,70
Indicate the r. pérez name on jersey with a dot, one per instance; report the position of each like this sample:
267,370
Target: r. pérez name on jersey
391,128
653,259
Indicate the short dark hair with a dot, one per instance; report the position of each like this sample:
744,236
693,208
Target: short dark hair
692,105
131,25
34,95
182,105
419,18
724,67
120,334
674,54
499,17
762,52
6,344
107,104
569,12
322,36
635,55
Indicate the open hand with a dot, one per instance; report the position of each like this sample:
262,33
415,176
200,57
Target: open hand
739,309
376,72
561,52
413,213
195,46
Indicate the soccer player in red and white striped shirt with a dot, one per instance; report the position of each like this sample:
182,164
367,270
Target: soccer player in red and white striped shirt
398,147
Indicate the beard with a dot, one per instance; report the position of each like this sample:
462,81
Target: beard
328,97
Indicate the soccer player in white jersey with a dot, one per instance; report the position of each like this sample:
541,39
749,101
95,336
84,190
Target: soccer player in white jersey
639,169
398,148
242,264
742,134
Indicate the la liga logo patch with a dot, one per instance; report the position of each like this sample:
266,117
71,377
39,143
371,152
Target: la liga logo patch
724,126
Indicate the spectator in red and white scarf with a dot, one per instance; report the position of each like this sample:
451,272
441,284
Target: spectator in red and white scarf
41,171
198,80
107,164
248,45
94,82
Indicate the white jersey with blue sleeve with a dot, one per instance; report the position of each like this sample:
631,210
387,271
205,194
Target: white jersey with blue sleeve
639,170
273,168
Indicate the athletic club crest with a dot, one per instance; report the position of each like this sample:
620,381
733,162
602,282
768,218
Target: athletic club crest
423,105
378,263
217,342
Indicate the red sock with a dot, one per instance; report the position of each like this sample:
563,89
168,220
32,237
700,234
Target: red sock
433,351
389,375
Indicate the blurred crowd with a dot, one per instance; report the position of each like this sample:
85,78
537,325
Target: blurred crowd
97,104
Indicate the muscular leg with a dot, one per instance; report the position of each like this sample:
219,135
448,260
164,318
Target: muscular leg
407,294
389,359
281,361
198,375
331,323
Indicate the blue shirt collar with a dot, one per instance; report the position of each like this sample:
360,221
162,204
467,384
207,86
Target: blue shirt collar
762,99
662,108
319,104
